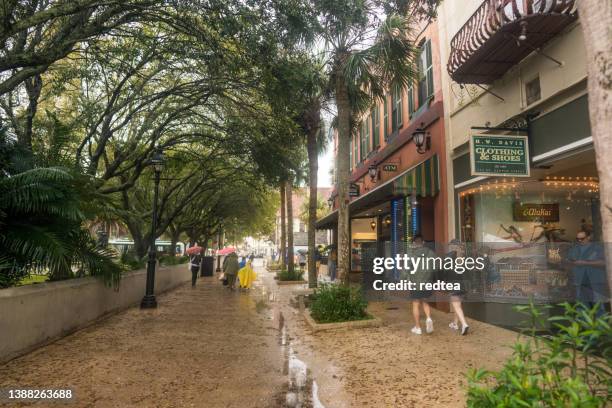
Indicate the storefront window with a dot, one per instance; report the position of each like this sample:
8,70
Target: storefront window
528,229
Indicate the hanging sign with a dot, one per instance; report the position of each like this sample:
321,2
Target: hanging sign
389,167
497,155
354,190
536,212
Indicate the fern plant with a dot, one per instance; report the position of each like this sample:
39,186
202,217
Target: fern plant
42,211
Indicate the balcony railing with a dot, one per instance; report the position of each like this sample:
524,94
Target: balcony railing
501,33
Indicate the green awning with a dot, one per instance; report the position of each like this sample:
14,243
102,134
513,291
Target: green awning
424,178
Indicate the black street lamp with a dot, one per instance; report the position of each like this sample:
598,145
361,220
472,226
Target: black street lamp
149,301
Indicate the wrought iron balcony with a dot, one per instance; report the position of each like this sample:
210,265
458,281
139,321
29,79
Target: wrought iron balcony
503,32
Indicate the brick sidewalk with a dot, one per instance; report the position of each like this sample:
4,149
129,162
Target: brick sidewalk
203,347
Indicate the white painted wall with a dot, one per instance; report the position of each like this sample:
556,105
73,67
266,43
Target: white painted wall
33,315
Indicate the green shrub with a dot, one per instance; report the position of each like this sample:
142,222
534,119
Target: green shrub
169,260
338,303
296,275
129,261
568,368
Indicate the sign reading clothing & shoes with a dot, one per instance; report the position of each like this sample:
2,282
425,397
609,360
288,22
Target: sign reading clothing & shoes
499,155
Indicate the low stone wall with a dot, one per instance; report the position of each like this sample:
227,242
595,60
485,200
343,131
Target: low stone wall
33,315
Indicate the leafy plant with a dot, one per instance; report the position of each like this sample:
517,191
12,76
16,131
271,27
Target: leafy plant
173,260
42,212
570,367
129,261
338,303
295,275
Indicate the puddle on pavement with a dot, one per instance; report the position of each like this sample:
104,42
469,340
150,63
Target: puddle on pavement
302,390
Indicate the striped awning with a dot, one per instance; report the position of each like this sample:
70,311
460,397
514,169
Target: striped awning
424,178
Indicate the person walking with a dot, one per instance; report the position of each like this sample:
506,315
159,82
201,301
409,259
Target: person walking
333,258
317,259
194,264
246,276
588,270
456,250
230,268
421,276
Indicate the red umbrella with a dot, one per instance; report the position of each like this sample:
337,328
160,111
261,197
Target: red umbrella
194,250
226,251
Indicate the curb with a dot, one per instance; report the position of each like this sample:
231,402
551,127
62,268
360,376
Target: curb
282,283
356,324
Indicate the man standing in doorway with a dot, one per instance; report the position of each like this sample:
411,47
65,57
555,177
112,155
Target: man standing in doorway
588,268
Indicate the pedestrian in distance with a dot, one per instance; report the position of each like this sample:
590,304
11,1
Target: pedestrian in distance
302,259
194,264
419,296
456,250
231,268
317,258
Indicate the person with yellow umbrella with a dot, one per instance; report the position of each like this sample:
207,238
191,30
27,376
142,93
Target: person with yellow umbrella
247,276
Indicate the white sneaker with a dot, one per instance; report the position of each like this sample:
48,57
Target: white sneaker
453,326
429,326
416,330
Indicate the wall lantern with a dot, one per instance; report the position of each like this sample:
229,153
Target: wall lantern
388,220
373,225
373,172
330,202
422,139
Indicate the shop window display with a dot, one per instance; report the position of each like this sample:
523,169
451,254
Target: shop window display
528,231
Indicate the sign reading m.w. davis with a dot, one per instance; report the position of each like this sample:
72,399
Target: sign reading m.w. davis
494,155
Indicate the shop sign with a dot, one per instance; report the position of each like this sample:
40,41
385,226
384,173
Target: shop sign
389,167
536,212
496,155
354,190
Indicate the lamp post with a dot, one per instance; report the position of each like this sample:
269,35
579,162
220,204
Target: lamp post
149,301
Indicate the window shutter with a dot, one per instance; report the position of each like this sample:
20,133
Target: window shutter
430,87
385,118
400,107
411,100
375,127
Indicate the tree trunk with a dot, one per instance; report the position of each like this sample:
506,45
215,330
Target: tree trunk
344,145
283,237
596,23
33,87
174,234
313,167
290,255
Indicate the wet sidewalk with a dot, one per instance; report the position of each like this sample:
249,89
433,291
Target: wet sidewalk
210,347
202,347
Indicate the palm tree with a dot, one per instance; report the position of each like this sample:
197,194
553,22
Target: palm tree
283,237
365,55
289,201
